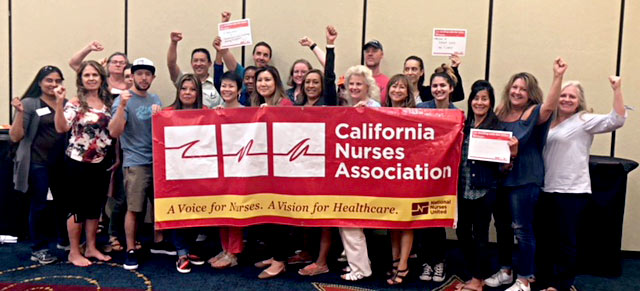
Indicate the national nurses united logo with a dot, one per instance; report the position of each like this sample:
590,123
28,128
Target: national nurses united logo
298,149
244,149
190,152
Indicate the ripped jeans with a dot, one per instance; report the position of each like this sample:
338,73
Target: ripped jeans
514,215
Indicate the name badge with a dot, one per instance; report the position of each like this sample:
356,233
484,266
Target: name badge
43,111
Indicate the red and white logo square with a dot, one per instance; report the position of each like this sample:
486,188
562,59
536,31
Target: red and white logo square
190,152
298,149
244,149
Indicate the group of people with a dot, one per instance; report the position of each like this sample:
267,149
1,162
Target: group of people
101,136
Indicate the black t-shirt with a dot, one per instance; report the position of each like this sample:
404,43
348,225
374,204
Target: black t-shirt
48,144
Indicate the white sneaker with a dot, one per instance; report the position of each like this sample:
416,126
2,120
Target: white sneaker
519,286
427,273
438,273
499,278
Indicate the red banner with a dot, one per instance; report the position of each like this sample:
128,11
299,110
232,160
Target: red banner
307,166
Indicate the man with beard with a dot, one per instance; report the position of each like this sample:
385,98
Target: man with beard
201,64
372,57
131,123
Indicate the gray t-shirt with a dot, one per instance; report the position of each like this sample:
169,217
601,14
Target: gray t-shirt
136,139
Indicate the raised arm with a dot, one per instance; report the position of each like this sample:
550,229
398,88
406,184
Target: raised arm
618,101
78,57
330,94
59,120
16,132
458,91
172,56
119,119
218,66
227,56
551,101
320,55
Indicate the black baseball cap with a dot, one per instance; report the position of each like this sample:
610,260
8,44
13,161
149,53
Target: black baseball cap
373,43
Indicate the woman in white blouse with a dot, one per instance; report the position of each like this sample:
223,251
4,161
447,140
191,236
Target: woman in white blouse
567,182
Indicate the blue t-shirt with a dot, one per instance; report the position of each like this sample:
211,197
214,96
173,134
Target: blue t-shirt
528,167
136,138
431,104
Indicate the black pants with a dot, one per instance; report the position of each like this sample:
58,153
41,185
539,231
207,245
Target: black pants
431,245
556,227
474,217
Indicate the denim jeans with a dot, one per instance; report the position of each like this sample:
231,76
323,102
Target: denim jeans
182,239
41,179
514,214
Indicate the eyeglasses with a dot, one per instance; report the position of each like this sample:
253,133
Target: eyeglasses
122,63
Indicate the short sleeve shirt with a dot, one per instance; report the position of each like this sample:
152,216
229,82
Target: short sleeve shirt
89,135
136,139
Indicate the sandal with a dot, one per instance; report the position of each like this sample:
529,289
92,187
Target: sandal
266,274
313,269
347,269
115,244
229,260
217,258
353,276
398,277
394,266
263,264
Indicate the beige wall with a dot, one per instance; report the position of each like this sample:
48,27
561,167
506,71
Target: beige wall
586,40
59,34
4,65
527,35
151,22
404,33
628,138
296,19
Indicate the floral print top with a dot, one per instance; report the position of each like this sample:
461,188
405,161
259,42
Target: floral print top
89,135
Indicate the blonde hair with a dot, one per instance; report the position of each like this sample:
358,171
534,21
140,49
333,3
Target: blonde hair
582,101
374,91
533,90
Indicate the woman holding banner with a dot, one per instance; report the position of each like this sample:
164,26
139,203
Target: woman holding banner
321,91
230,237
567,184
363,92
523,113
188,96
399,94
477,186
268,89
269,92
432,240
87,117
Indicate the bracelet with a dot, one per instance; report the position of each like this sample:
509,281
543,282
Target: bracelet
313,46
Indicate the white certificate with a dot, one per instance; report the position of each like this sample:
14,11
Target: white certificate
235,33
449,41
489,145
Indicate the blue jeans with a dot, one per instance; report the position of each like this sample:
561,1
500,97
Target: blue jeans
41,179
514,215
182,239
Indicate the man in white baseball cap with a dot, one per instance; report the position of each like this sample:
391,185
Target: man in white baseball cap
131,122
